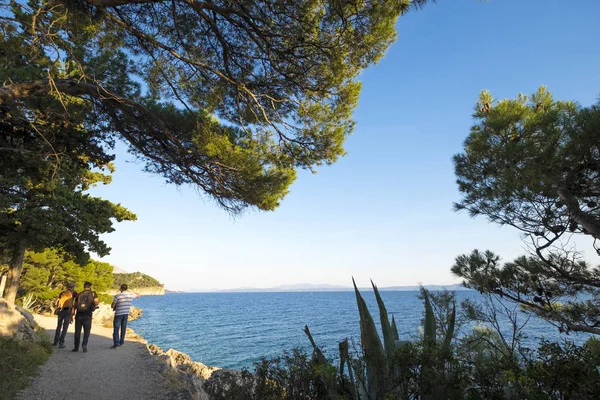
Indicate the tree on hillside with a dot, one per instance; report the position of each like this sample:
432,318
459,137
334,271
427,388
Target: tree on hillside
239,94
134,280
534,163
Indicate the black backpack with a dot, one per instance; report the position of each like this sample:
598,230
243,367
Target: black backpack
85,301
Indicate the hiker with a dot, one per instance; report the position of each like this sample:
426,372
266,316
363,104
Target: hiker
85,304
121,304
64,304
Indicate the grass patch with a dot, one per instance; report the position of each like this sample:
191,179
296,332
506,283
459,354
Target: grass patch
19,361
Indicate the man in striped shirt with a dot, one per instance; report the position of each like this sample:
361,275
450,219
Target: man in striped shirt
121,304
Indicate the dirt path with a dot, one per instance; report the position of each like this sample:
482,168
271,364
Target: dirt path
128,372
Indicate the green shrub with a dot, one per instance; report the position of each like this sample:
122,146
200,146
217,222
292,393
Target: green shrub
291,376
18,362
563,371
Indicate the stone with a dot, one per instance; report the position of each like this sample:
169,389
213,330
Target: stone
17,323
201,370
225,378
105,314
166,361
179,357
192,375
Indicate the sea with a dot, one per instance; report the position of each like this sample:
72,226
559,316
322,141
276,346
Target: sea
234,330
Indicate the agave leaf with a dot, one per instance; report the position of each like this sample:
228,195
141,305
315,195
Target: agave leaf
429,338
450,332
371,343
319,359
370,340
345,361
388,335
395,329
361,385
317,353
343,347
429,327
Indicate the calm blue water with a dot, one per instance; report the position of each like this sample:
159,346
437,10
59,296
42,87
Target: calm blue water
232,330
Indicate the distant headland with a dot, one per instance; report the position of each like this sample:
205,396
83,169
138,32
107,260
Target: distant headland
138,282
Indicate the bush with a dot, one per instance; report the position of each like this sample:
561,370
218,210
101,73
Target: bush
564,371
291,376
18,362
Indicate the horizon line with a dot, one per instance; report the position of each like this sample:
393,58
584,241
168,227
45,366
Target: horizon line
320,288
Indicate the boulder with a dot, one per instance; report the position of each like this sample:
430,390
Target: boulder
201,370
224,380
196,378
17,323
190,374
182,362
104,314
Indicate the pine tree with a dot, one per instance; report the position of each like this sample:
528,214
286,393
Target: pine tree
534,163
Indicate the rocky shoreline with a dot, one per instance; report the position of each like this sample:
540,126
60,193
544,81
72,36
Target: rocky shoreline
187,379
190,379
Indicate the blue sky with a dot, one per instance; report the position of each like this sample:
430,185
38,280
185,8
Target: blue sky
385,210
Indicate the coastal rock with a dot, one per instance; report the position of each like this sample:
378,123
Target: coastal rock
183,362
105,314
130,334
178,357
197,380
224,381
191,374
17,323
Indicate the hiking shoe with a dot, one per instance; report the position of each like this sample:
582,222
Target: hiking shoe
61,346
85,349
54,344
114,346
75,349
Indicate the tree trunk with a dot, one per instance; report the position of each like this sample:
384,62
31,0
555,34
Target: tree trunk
2,283
587,221
14,272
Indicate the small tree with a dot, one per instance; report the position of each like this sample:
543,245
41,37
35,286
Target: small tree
45,274
534,163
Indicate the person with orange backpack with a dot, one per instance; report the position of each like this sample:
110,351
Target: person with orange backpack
63,304
85,304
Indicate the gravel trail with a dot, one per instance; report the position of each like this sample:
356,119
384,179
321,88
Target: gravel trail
128,372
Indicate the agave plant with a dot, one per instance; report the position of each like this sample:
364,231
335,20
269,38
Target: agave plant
370,380
28,301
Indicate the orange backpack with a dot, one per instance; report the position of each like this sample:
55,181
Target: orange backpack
65,299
